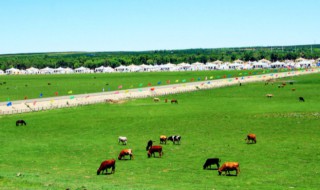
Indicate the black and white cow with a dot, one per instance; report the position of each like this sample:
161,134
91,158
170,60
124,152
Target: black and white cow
123,140
175,139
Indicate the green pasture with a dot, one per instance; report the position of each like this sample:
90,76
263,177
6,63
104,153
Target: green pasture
17,87
61,149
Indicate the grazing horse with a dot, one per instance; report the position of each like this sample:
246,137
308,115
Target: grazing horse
252,138
154,149
125,152
150,142
107,164
229,166
163,139
123,140
174,139
20,122
301,99
174,101
211,161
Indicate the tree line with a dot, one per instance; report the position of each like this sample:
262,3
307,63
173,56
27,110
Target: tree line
114,59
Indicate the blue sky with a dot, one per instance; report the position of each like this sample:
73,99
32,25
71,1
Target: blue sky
135,25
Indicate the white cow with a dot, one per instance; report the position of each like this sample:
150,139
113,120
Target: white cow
123,140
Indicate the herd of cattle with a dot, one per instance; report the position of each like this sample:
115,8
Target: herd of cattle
152,149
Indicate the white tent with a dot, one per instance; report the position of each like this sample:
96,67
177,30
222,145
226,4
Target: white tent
133,68
1,72
168,67
32,70
82,70
46,70
12,71
235,66
211,66
277,64
197,66
146,68
183,66
122,68
260,65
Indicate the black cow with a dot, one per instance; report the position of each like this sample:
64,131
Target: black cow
174,139
150,142
211,161
301,99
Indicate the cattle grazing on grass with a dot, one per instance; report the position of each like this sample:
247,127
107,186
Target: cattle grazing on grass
107,164
20,122
163,139
123,140
229,166
174,101
125,152
252,138
211,161
156,99
150,142
301,99
165,100
269,95
175,139
154,149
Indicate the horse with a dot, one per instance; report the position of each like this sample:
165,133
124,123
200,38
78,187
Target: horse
20,122
174,101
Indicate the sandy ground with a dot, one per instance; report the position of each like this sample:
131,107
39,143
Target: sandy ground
40,104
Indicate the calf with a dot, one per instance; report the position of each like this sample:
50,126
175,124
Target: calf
301,99
252,138
174,139
154,149
107,164
229,166
211,161
163,139
124,153
123,140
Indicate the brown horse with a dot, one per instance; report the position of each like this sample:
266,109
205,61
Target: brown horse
20,122
174,101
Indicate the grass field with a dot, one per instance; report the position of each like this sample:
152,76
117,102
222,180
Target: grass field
17,87
62,149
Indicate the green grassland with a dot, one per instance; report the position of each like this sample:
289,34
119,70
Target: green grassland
17,87
61,149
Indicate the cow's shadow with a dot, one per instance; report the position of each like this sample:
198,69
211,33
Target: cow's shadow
211,169
105,173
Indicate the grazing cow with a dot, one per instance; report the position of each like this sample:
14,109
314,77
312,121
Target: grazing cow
252,138
174,139
107,164
154,149
156,99
293,89
174,101
229,166
163,139
123,140
301,99
211,161
150,142
125,152
20,122
269,95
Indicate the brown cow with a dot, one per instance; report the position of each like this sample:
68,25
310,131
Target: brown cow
163,139
174,101
107,164
154,149
125,152
252,138
229,166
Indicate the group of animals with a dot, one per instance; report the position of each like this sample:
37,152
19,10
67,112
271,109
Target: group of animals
228,166
166,100
152,149
283,84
